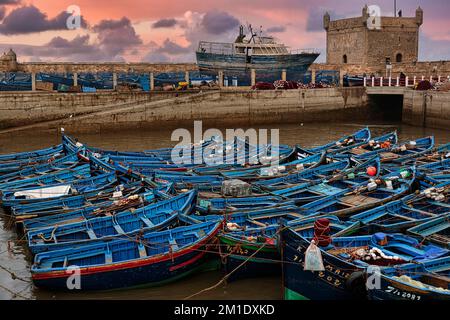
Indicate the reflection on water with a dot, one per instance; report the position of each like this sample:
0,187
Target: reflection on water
14,256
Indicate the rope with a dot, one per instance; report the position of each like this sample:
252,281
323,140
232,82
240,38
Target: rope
15,294
233,271
52,235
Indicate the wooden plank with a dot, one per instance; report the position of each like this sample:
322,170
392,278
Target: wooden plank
355,200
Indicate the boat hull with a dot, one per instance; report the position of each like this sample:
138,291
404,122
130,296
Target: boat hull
152,271
238,65
335,283
249,261
394,290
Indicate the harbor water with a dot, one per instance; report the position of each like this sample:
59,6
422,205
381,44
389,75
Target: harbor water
15,261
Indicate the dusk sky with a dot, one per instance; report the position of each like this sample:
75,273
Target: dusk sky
169,31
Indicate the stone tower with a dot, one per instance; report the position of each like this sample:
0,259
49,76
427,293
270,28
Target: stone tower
8,61
373,40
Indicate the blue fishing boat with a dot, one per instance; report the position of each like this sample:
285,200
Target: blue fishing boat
254,239
209,205
428,281
124,224
33,195
66,162
355,139
32,154
403,153
345,262
301,176
370,148
62,176
68,204
362,196
402,214
154,258
436,230
127,202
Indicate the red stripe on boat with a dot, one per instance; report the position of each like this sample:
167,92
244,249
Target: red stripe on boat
188,262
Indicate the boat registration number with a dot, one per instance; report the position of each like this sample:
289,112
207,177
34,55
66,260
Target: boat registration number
402,294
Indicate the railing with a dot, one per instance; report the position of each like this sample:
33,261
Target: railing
400,81
307,51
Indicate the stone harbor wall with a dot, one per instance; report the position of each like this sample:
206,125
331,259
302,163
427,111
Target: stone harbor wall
216,108
427,109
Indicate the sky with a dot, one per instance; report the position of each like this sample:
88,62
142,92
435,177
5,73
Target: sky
169,31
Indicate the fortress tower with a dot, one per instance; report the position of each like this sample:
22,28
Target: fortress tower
8,61
373,41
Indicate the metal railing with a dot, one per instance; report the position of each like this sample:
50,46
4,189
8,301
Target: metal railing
305,51
400,81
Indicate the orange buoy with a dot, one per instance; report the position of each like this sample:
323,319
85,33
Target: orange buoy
371,171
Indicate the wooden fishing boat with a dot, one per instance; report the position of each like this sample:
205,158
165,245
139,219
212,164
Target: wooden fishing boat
400,215
371,148
124,224
229,205
155,258
32,154
62,176
345,263
404,153
355,139
68,204
66,162
257,242
428,281
438,171
436,230
106,208
363,196
436,154
15,165
255,174
32,195
312,174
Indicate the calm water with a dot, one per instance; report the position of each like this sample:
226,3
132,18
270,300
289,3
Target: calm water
14,256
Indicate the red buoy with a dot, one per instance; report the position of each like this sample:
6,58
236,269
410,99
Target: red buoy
371,171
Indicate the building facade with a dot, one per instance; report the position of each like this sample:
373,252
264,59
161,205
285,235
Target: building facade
372,41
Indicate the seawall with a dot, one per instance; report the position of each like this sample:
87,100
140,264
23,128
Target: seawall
427,109
81,112
25,108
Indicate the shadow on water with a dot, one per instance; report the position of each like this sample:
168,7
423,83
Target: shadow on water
14,255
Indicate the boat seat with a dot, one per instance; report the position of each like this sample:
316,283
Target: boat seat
142,251
356,200
119,229
259,224
325,189
359,151
147,222
388,155
91,234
